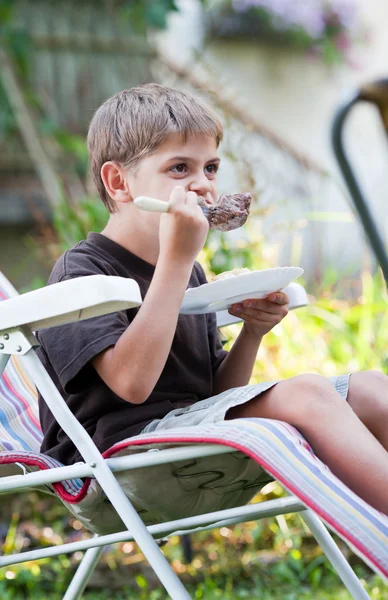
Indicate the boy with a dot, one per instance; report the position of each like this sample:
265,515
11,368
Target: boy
150,368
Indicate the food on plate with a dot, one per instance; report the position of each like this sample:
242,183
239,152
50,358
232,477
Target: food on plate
230,211
232,273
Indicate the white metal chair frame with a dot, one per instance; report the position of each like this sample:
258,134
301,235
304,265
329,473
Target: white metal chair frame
19,317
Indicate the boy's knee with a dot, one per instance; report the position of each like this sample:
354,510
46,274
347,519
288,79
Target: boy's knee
300,401
366,386
369,378
368,397
313,385
312,394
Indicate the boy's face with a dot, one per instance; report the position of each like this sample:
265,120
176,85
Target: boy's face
192,164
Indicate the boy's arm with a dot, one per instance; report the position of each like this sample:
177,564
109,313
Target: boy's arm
236,368
132,367
259,317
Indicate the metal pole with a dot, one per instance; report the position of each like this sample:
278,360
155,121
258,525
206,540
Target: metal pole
83,573
373,234
335,555
4,358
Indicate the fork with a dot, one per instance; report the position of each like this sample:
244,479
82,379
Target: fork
154,205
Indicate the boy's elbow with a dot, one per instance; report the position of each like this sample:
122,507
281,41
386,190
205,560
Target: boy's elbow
120,381
132,393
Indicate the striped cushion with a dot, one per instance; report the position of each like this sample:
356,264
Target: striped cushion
20,431
19,418
70,491
282,451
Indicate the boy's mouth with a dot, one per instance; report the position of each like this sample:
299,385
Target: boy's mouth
202,200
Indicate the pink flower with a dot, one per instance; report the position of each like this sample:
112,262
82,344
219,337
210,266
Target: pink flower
342,42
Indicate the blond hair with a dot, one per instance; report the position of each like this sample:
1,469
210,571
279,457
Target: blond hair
133,123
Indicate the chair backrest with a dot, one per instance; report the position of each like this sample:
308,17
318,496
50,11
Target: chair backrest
19,415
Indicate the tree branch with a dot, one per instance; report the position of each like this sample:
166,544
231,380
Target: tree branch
49,179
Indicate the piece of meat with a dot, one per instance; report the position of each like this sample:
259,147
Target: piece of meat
230,212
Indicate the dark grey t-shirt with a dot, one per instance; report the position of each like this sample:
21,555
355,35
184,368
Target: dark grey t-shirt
67,351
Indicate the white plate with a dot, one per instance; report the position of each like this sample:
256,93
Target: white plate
221,294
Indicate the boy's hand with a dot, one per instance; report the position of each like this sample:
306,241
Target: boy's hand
261,315
183,230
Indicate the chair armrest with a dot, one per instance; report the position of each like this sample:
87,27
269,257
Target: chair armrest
69,301
296,293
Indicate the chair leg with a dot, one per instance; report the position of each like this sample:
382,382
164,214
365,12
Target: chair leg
334,555
83,573
187,548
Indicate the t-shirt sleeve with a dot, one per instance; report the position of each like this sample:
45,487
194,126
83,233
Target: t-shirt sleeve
217,353
71,347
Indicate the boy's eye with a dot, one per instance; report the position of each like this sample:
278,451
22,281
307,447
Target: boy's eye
212,169
179,168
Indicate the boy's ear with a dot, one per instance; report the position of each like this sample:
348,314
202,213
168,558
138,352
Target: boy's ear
114,179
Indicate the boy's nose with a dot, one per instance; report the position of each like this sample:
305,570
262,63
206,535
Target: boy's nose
200,185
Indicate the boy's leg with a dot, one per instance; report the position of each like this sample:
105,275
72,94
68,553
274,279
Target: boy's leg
312,405
368,397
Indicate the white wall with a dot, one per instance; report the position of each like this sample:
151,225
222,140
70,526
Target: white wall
297,98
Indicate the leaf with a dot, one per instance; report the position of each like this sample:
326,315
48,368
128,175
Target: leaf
5,12
156,13
141,582
147,13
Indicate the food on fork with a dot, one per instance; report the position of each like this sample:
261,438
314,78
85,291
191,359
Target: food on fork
230,211
232,273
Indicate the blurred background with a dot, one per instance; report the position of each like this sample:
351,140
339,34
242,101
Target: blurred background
276,72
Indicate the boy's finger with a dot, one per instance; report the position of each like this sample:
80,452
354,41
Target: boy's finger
191,199
257,316
264,306
279,298
177,196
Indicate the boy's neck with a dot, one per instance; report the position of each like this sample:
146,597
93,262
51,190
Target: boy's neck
133,239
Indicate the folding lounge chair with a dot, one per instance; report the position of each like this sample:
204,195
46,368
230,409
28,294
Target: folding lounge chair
206,474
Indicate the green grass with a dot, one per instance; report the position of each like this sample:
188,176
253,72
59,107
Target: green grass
211,589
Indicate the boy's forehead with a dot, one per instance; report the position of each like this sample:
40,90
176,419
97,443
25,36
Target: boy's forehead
193,145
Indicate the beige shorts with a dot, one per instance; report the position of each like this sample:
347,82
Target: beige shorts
215,408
